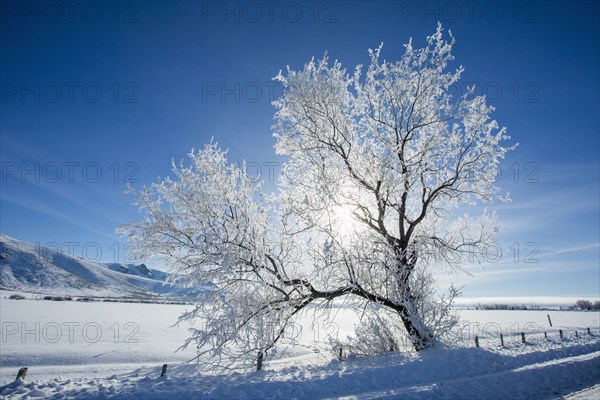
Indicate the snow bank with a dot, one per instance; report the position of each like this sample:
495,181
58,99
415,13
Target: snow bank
539,370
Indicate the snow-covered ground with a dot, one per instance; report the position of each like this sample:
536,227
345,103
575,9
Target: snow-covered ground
100,350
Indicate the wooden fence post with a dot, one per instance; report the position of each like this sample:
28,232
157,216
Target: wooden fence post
259,361
476,341
549,320
560,333
589,332
21,374
545,335
522,337
502,340
164,370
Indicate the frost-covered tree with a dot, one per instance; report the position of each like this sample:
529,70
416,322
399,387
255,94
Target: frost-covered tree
584,305
381,168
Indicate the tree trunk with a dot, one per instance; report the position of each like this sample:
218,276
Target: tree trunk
408,313
420,340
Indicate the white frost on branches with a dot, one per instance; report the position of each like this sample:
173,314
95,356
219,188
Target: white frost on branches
381,168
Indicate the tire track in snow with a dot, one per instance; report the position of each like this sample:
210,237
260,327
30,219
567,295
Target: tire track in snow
544,380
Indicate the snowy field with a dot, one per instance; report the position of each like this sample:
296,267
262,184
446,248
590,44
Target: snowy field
100,350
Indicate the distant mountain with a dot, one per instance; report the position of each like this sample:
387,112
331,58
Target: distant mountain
33,268
137,270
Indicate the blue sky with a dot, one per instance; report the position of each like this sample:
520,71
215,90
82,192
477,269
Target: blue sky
100,94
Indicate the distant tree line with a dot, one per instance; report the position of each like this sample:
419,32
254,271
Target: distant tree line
503,307
587,305
583,305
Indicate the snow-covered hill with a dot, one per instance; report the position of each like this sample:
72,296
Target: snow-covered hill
33,268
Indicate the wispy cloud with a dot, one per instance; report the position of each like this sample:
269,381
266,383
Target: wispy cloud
572,249
42,208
